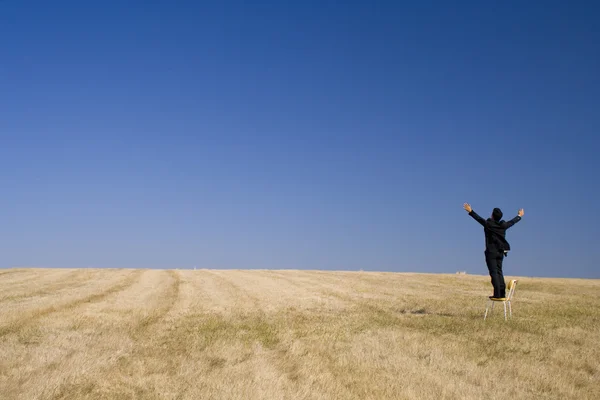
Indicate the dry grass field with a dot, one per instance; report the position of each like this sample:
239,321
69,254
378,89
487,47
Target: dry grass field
209,334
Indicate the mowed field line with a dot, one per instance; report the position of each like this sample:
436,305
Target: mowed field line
356,285
240,299
92,280
30,316
267,293
322,284
38,286
268,369
355,300
351,288
55,340
145,302
126,375
168,298
122,328
12,271
15,280
312,289
207,292
391,289
193,336
94,336
282,367
205,343
283,290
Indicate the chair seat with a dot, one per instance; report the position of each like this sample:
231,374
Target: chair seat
498,298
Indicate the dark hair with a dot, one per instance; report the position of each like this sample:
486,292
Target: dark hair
497,214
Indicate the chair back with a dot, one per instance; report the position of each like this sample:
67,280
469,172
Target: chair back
512,285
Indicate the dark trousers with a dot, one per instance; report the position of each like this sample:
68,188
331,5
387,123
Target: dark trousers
494,264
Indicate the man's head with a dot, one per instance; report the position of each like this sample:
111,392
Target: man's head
497,214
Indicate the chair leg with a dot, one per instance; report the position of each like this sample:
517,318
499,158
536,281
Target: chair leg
504,310
509,309
488,309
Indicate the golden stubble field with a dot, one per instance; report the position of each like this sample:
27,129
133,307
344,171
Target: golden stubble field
237,334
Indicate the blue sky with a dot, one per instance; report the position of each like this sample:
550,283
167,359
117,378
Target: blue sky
318,135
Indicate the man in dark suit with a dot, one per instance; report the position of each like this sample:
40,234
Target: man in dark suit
496,246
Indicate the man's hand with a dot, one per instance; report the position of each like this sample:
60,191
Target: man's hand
468,208
521,212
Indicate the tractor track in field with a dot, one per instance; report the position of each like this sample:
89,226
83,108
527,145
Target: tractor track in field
12,271
232,289
15,326
67,282
172,295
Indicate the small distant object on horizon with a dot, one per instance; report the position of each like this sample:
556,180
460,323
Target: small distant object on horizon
461,272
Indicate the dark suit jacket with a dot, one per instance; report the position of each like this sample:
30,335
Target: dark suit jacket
495,233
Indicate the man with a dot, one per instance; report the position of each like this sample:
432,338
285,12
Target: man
496,246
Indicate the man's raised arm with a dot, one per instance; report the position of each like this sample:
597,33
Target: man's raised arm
473,214
516,219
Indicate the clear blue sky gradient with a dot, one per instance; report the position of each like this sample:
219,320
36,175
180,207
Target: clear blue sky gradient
308,134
